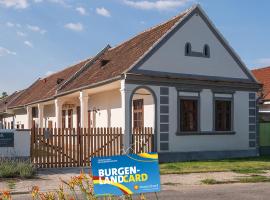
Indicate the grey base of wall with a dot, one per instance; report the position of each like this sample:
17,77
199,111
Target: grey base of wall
264,151
205,155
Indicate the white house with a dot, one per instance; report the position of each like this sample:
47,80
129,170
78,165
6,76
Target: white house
181,78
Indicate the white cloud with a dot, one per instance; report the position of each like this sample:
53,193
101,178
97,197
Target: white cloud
18,4
156,5
59,2
36,29
9,24
264,61
28,43
21,34
74,26
103,11
81,10
4,52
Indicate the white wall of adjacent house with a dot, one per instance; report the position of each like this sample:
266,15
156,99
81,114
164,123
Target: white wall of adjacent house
170,57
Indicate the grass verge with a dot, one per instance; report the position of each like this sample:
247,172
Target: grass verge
17,169
255,165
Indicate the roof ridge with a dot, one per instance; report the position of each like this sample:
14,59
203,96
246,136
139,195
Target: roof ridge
68,67
158,25
84,67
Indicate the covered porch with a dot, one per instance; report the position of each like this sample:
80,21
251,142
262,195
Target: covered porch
101,110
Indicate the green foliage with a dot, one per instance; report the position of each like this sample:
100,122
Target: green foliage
16,169
254,179
242,165
209,181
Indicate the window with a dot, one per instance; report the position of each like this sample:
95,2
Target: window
223,112
22,126
187,48
63,119
206,51
188,115
35,112
138,113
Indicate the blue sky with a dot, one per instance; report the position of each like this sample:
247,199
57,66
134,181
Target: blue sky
39,37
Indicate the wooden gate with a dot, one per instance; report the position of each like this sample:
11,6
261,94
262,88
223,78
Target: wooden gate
73,147
143,140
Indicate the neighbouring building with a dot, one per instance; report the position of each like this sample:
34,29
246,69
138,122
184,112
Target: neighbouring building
263,76
181,78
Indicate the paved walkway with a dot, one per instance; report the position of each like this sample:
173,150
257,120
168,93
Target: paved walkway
49,179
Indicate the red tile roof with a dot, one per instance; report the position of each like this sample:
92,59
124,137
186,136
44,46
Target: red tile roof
115,61
6,101
44,89
263,76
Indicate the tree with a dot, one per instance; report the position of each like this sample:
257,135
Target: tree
4,94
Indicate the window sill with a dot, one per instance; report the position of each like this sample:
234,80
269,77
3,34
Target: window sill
206,133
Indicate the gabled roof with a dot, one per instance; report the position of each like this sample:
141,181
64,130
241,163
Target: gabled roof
263,76
6,101
116,61
45,89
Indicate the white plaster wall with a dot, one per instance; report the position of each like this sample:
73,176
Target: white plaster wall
171,56
8,119
21,145
49,115
21,117
239,141
109,105
149,109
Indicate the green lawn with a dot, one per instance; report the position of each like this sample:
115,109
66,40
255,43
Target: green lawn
243,165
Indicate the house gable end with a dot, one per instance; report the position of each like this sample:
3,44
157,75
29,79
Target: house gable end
170,58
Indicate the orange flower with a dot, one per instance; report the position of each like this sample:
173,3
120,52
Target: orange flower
35,191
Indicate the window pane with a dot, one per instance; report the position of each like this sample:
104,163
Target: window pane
138,113
188,115
222,115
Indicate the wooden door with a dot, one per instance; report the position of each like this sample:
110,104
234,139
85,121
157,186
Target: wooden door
63,119
70,118
50,124
79,117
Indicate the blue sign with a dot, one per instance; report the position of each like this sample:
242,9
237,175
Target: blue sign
127,174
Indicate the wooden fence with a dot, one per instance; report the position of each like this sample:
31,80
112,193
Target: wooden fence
55,148
142,140
72,148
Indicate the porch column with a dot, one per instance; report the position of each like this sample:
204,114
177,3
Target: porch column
84,109
40,115
58,112
29,117
126,121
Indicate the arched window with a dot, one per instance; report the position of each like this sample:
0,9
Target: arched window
187,49
206,51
